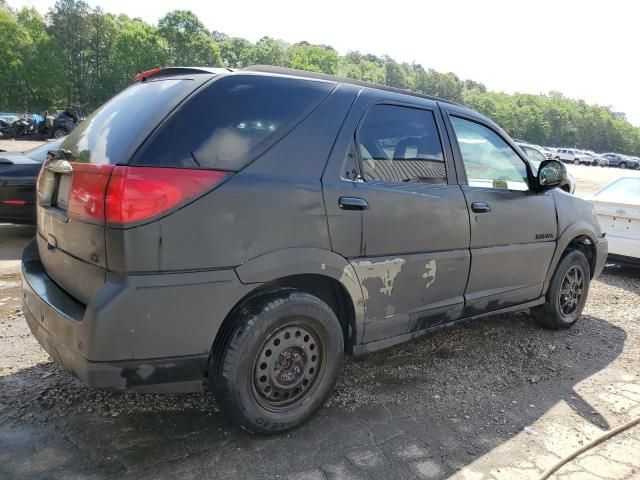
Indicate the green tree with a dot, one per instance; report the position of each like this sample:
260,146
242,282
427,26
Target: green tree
137,48
69,28
314,58
268,51
236,52
188,41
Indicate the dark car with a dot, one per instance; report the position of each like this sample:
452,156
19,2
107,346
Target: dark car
18,173
621,161
252,226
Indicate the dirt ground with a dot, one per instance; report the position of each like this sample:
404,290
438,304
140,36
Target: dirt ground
496,398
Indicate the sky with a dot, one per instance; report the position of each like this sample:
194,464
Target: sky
584,49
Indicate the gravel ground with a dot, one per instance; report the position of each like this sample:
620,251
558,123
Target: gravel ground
459,394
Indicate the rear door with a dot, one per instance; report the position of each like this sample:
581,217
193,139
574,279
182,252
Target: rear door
395,212
513,229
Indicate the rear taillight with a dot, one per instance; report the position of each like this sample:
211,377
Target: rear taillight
136,194
86,195
119,195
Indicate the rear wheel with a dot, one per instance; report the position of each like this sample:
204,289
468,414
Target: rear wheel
576,161
567,293
623,165
595,163
281,362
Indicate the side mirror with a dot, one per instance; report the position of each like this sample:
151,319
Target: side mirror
551,174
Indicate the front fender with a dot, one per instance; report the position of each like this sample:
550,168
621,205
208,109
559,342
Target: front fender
300,261
577,229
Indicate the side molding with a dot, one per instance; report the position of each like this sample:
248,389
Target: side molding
305,261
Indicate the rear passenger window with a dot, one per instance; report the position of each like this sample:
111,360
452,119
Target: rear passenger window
401,144
232,121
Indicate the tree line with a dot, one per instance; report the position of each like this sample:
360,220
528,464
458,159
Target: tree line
81,56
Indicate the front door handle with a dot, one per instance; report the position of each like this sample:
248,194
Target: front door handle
480,207
353,203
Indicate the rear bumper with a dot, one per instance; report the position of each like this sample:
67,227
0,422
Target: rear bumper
624,247
181,374
140,332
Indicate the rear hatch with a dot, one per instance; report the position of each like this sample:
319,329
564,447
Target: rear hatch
72,187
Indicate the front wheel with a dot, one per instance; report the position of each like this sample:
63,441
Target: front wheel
567,293
576,162
281,362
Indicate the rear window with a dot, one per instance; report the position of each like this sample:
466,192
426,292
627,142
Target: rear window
113,132
232,121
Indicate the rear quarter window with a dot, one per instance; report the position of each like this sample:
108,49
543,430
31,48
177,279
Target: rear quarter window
232,121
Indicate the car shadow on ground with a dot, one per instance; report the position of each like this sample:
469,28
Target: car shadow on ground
621,276
418,410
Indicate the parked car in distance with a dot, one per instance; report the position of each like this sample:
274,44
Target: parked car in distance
598,160
570,155
618,208
621,161
249,252
18,173
536,156
548,153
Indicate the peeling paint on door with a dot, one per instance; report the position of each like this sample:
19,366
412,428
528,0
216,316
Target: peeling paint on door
384,271
430,272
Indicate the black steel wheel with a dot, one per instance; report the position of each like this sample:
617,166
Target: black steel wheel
567,293
280,362
288,365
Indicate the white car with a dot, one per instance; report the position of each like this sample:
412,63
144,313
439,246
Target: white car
617,206
571,155
536,155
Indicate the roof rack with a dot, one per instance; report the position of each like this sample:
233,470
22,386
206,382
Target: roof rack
333,78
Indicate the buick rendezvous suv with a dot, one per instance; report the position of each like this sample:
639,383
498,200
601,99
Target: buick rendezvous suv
240,231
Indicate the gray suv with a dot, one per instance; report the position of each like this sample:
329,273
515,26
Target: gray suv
240,231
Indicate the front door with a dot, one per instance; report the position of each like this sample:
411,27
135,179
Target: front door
393,212
513,229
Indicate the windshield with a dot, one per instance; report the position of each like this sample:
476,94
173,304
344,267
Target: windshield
113,132
623,190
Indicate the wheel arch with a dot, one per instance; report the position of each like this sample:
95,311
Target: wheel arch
578,236
324,274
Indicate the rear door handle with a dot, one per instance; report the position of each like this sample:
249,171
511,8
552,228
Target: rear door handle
353,203
480,207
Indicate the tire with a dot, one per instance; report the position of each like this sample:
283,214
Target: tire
622,165
562,310
576,161
60,132
557,158
280,363
595,163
